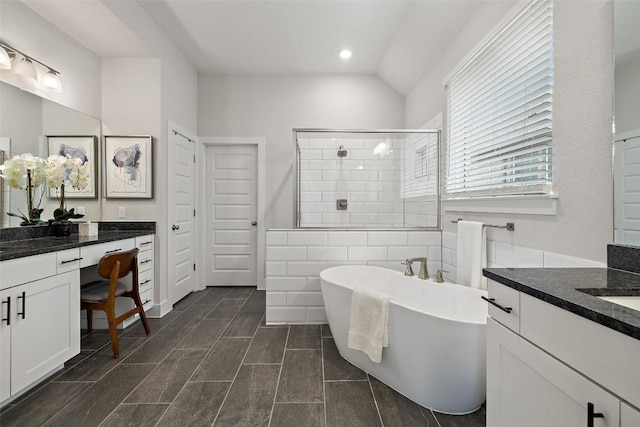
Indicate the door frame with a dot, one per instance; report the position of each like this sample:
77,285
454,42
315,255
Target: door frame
173,127
203,143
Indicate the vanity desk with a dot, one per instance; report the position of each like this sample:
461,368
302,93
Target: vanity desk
40,280
558,353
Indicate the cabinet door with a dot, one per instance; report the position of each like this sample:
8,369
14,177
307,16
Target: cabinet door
5,345
45,331
629,416
526,387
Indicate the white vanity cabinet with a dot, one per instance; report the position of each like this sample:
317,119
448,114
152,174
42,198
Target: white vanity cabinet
40,327
549,367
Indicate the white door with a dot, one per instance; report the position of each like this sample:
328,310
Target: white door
231,215
182,248
627,191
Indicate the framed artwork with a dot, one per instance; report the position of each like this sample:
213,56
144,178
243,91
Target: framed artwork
128,167
84,148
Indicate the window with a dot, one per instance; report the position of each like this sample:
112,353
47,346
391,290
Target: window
499,111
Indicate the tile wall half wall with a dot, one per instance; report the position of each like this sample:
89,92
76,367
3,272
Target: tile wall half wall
295,259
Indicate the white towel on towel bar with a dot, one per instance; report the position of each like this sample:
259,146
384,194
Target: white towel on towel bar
472,254
369,323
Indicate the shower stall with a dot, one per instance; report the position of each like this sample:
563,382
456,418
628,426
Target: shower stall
384,179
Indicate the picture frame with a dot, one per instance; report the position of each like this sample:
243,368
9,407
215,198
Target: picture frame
128,166
80,146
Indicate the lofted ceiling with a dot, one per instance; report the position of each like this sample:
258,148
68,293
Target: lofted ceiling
398,40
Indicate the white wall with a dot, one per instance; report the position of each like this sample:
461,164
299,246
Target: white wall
582,112
271,106
628,95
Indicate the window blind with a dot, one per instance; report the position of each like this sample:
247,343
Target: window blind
499,111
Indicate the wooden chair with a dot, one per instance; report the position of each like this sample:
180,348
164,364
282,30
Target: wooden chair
101,295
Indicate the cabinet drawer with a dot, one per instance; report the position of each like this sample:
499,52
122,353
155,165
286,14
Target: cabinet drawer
145,262
629,417
68,260
92,254
147,299
600,353
144,243
24,270
145,280
509,299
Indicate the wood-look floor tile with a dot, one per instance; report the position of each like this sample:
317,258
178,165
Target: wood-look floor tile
165,382
297,414
95,340
243,325
222,363
213,295
335,367
398,411
305,337
255,303
476,419
43,404
205,335
240,292
250,399
301,377
159,345
326,331
99,400
93,367
155,324
196,405
227,309
267,346
188,301
350,403
135,415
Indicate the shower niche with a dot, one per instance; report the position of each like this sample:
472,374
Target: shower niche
385,179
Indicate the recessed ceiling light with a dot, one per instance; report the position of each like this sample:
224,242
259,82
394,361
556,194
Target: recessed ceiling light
345,54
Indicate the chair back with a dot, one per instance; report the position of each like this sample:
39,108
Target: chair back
128,262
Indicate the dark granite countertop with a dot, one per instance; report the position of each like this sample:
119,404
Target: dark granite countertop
41,243
576,290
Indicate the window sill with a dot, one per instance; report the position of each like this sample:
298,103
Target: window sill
525,205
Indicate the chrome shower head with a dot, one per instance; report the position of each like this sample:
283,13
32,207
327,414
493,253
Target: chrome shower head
342,152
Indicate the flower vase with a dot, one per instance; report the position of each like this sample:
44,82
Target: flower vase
61,229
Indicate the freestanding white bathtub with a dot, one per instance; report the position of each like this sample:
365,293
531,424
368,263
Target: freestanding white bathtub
437,349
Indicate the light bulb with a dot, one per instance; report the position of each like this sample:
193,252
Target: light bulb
5,60
25,68
345,54
51,81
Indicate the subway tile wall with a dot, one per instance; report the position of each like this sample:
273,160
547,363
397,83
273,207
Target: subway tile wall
370,177
502,255
295,259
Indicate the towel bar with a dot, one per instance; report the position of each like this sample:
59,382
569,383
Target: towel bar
509,227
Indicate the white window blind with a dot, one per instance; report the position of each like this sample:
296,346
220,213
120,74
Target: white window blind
499,111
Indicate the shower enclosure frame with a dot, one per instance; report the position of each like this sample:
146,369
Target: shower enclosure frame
296,176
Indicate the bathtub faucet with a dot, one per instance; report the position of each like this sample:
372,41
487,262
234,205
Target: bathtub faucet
424,274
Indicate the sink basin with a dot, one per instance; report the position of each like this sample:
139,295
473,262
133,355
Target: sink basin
632,302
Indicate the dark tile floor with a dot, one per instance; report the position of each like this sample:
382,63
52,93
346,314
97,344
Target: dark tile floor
213,361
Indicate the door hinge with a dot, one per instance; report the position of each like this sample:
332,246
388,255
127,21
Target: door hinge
194,158
194,267
194,212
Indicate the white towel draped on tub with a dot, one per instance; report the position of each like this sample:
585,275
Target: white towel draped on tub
369,323
472,254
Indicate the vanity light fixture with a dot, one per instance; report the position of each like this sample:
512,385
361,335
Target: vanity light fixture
345,54
48,78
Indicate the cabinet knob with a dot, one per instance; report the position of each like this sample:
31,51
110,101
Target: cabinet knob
175,227
592,414
254,223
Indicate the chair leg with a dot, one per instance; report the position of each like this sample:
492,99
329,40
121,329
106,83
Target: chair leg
113,331
89,320
143,316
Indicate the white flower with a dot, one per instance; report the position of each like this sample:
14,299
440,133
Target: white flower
14,171
61,170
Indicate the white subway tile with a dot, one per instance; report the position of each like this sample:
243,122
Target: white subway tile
341,263
400,253
345,238
307,238
332,196
303,143
306,196
311,154
434,253
395,219
378,186
310,218
352,144
276,238
286,284
362,175
385,196
449,240
286,314
276,299
491,251
362,154
336,219
378,165
304,299
311,176
305,269
321,186
350,165
364,218
364,196
554,260
528,258
336,175
328,253
369,253
379,207
316,315
321,165
314,284
388,238
322,143
276,269
350,186
286,253
396,266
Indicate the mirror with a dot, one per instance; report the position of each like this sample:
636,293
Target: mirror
25,119
626,175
